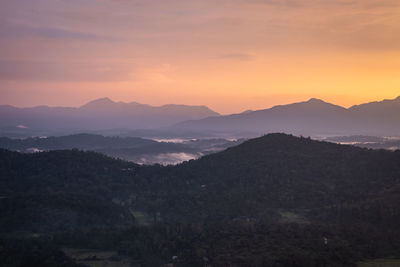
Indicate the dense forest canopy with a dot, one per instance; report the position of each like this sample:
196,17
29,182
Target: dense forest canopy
279,182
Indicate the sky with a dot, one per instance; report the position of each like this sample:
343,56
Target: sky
231,55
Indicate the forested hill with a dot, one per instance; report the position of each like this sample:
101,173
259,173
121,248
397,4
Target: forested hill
62,190
270,201
279,172
276,177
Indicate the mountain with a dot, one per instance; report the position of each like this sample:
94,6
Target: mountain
276,200
260,178
378,117
382,108
96,115
106,107
276,173
312,117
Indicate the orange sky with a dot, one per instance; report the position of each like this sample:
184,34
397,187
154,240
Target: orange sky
230,55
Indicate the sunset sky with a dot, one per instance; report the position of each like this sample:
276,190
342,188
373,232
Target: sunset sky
230,55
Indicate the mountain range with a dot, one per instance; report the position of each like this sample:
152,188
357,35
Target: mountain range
98,114
314,117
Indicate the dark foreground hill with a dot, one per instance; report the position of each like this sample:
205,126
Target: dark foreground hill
270,201
261,178
61,190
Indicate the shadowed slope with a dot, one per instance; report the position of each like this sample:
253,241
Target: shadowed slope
266,178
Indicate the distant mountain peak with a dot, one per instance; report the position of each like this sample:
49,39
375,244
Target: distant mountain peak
247,111
103,100
316,100
100,102
321,104
382,105
313,103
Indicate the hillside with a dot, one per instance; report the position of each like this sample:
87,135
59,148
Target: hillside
281,172
270,201
260,178
61,190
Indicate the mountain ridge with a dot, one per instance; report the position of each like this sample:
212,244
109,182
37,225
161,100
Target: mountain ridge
99,114
312,117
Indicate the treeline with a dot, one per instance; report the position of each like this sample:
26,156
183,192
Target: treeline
271,201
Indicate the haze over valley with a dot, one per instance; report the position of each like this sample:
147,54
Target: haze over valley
103,116
136,149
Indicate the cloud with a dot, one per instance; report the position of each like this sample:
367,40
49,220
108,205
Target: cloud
243,24
64,71
179,32
19,30
59,33
323,3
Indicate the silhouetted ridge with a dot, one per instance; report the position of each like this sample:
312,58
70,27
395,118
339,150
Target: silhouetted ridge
287,142
98,103
384,105
97,115
315,100
312,117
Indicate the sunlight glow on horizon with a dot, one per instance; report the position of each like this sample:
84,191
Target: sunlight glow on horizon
230,55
